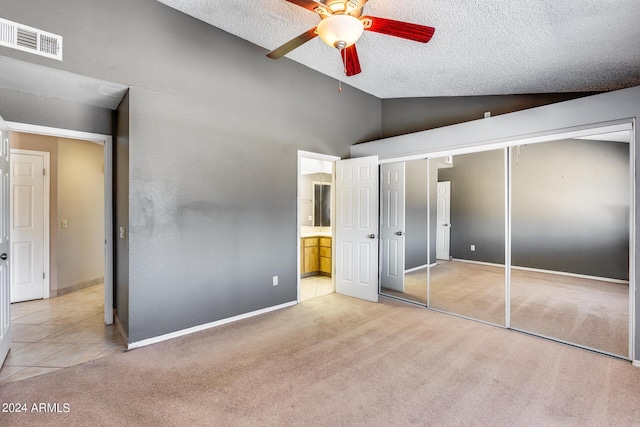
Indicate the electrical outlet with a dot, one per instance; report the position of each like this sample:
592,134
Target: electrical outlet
275,280
473,248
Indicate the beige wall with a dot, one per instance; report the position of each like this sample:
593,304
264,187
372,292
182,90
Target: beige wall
26,141
81,204
77,195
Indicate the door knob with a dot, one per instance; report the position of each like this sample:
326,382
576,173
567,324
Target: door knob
372,236
3,256
399,233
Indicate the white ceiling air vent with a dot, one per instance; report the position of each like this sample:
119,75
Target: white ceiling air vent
28,39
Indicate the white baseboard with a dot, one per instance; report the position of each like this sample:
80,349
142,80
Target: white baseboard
636,363
581,276
469,261
420,267
538,270
199,328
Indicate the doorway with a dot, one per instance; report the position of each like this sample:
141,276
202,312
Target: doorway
99,145
316,201
71,329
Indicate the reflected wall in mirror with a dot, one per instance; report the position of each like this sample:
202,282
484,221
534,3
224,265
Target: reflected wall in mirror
321,204
468,222
315,209
570,210
404,278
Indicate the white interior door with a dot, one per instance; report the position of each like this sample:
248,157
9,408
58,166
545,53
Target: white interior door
392,225
357,228
5,286
27,230
443,219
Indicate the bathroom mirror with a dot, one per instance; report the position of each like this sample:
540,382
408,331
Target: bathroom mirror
321,204
315,194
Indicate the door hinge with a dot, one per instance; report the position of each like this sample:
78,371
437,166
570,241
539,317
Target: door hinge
43,276
44,172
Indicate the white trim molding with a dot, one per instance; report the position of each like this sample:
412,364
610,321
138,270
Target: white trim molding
538,270
176,334
420,267
636,363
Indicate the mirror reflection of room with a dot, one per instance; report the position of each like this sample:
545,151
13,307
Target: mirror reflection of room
570,240
467,204
412,245
315,228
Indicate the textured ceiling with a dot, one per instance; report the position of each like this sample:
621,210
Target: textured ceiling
480,47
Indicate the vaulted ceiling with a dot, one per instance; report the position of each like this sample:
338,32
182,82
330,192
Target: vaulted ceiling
488,47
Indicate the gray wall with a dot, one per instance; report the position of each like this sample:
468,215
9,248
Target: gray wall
53,112
404,115
416,213
477,206
433,207
121,214
214,129
570,207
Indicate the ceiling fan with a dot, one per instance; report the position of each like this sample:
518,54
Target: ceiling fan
342,24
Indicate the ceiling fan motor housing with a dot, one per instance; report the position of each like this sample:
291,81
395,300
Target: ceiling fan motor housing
340,31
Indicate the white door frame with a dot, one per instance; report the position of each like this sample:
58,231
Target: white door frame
325,157
107,142
47,220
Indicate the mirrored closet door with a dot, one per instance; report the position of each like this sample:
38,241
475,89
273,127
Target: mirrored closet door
570,211
559,211
403,230
467,223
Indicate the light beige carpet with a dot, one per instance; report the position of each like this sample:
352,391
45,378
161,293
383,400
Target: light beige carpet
586,312
336,361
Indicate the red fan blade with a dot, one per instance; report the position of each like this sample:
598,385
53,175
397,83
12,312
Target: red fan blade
405,30
307,4
292,44
351,61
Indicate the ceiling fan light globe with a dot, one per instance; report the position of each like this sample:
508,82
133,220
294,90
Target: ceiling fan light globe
340,30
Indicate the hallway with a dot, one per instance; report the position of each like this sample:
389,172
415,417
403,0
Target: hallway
56,333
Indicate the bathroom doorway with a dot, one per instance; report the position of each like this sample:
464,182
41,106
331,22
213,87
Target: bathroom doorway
316,201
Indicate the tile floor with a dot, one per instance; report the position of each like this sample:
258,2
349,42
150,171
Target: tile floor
315,286
56,333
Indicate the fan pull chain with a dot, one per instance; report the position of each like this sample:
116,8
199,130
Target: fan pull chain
344,61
